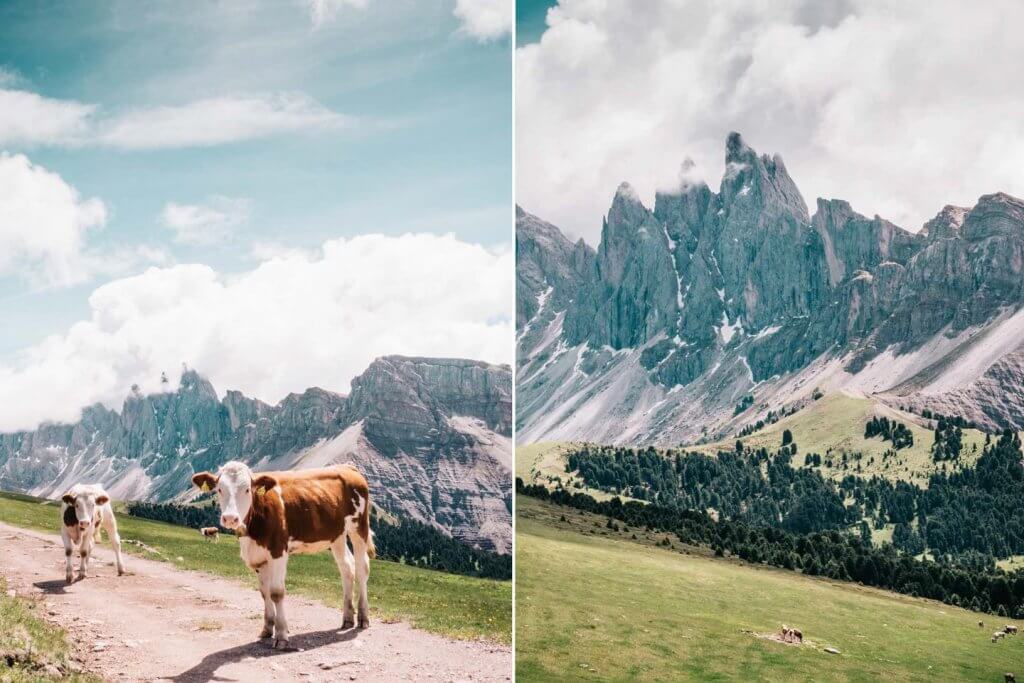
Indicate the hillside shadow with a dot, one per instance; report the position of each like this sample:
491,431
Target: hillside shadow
206,670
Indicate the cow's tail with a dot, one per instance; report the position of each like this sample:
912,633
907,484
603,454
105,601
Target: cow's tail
366,531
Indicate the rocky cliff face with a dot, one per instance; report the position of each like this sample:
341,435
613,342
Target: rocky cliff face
432,435
709,296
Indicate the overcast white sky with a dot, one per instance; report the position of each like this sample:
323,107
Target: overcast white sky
898,107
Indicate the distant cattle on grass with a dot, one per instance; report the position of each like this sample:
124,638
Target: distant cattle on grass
84,509
1011,629
275,514
210,533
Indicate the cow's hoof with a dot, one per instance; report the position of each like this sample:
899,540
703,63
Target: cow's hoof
69,578
348,622
281,644
364,622
267,632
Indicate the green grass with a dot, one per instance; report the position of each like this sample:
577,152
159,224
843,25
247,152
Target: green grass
30,648
837,422
452,605
592,604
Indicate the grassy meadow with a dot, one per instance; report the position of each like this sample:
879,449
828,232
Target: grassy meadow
596,604
836,422
448,604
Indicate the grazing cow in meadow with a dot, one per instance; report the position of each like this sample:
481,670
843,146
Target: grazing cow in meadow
1011,629
83,511
1009,678
275,514
998,635
210,533
792,635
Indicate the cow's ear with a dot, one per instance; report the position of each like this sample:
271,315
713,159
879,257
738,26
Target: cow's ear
204,480
68,498
263,483
102,499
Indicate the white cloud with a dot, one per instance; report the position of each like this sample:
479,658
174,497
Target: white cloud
29,119
889,105
208,223
322,11
43,222
486,19
296,320
218,120
44,229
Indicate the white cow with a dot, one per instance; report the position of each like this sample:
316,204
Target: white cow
84,509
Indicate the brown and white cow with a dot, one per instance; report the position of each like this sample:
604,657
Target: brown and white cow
83,511
302,511
210,533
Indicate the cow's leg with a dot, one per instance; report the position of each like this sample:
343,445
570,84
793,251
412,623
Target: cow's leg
268,605
84,551
278,569
347,567
69,570
362,560
110,524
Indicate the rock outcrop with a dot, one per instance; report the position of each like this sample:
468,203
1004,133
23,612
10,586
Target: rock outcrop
710,296
432,435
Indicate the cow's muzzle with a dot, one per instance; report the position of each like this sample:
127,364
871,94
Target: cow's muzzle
229,521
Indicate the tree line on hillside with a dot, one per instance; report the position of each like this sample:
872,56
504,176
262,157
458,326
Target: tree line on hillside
970,515
750,485
406,540
834,554
890,430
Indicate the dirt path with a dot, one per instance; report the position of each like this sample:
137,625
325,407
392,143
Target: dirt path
159,623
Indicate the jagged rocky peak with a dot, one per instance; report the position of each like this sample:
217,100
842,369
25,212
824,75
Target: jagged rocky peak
947,223
994,215
409,402
721,294
762,181
549,268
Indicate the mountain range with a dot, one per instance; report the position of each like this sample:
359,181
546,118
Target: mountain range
432,436
696,317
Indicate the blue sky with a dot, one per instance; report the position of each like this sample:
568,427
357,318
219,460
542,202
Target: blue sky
222,133
530,15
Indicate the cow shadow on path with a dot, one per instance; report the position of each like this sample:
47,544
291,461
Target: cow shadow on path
54,587
206,670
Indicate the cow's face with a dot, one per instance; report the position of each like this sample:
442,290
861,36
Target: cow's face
235,486
85,503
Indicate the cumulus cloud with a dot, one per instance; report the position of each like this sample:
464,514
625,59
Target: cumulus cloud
295,320
485,19
43,222
889,105
27,118
209,223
